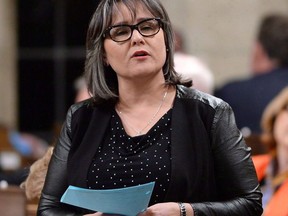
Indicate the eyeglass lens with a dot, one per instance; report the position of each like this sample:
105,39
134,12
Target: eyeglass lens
124,32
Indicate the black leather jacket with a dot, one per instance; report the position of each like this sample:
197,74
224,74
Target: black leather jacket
210,167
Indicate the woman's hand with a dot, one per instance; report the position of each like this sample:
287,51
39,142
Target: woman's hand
95,214
168,208
159,209
100,214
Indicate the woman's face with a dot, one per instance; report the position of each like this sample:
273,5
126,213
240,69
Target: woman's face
281,129
139,56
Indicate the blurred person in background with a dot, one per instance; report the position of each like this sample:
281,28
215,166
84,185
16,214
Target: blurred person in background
192,67
272,168
80,87
21,146
37,149
34,182
269,69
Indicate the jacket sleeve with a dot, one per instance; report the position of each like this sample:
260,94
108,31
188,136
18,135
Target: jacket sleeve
56,179
235,174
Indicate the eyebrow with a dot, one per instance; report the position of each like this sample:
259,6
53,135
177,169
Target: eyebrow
128,23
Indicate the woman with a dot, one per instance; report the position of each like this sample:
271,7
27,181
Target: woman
142,124
272,169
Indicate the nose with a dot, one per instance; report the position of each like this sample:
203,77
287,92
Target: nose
136,36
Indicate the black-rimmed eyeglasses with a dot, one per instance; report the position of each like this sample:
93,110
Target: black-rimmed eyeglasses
121,33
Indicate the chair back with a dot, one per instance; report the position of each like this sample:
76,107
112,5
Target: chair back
12,201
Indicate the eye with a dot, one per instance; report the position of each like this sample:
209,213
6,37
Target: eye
148,26
120,31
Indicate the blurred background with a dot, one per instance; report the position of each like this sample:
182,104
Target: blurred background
42,50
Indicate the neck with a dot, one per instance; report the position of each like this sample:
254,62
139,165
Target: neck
137,96
139,117
142,89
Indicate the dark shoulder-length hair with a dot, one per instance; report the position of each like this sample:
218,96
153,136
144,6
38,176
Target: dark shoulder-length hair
270,113
101,79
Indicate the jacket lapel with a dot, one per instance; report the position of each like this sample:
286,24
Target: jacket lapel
91,140
179,151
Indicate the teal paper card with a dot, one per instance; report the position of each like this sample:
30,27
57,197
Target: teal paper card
127,201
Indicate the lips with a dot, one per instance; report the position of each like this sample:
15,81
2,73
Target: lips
139,54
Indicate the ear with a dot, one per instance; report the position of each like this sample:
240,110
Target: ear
105,60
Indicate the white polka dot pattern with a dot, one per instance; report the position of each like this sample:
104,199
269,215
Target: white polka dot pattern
124,161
